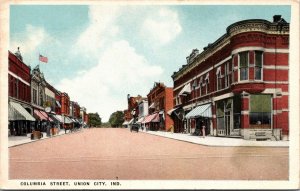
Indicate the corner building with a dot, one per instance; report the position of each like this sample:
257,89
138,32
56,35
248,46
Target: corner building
238,86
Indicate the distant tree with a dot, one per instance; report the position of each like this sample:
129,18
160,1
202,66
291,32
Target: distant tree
105,125
94,120
116,119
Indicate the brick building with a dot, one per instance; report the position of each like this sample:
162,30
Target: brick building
160,100
20,110
65,110
237,86
132,112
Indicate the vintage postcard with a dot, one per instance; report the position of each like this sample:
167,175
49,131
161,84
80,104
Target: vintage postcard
149,95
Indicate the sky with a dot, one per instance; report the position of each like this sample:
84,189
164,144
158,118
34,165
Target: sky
100,53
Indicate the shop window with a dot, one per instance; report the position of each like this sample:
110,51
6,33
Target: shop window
258,65
220,115
237,112
243,62
260,111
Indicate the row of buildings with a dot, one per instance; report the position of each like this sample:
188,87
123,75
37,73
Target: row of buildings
29,94
238,86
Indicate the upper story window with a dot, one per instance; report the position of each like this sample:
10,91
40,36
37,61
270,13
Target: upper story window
34,96
227,74
207,83
243,65
258,65
219,78
200,86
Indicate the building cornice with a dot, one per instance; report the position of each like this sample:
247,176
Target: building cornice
254,25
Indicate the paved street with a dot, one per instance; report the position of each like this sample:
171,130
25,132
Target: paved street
109,153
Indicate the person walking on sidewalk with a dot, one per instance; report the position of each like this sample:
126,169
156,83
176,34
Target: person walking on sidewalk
203,129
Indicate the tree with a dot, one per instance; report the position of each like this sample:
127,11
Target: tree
116,119
94,119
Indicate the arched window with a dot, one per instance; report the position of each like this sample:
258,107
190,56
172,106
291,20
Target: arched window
207,83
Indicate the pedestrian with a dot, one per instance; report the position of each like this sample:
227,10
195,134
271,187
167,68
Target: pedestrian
203,129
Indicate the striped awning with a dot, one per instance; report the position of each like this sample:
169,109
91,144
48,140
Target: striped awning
54,118
46,115
156,118
17,112
150,118
67,120
64,119
200,111
39,115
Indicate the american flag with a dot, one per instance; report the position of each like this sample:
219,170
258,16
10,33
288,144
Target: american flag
43,59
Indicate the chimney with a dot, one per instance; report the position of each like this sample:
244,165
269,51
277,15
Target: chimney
276,18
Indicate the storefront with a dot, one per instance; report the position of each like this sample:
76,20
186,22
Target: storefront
198,117
151,122
228,116
20,121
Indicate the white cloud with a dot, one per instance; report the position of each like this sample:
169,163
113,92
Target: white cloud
30,39
161,27
103,88
100,29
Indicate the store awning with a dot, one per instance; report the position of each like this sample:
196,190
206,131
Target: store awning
125,123
202,110
67,120
54,118
185,90
171,111
59,117
58,104
46,115
155,118
130,122
17,112
149,118
39,116
140,120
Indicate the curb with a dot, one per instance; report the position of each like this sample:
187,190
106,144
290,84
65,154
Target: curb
283,146
32,141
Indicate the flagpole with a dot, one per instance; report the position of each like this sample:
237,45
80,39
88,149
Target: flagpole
39,60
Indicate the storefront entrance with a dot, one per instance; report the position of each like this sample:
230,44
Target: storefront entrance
228,123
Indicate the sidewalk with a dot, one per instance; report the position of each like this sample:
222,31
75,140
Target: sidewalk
218,141
19,140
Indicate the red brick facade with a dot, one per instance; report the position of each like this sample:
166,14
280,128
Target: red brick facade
65,104
18,79
160,99
248,63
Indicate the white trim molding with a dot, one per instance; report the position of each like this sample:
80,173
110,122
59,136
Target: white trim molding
252,48
245,112
17,77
